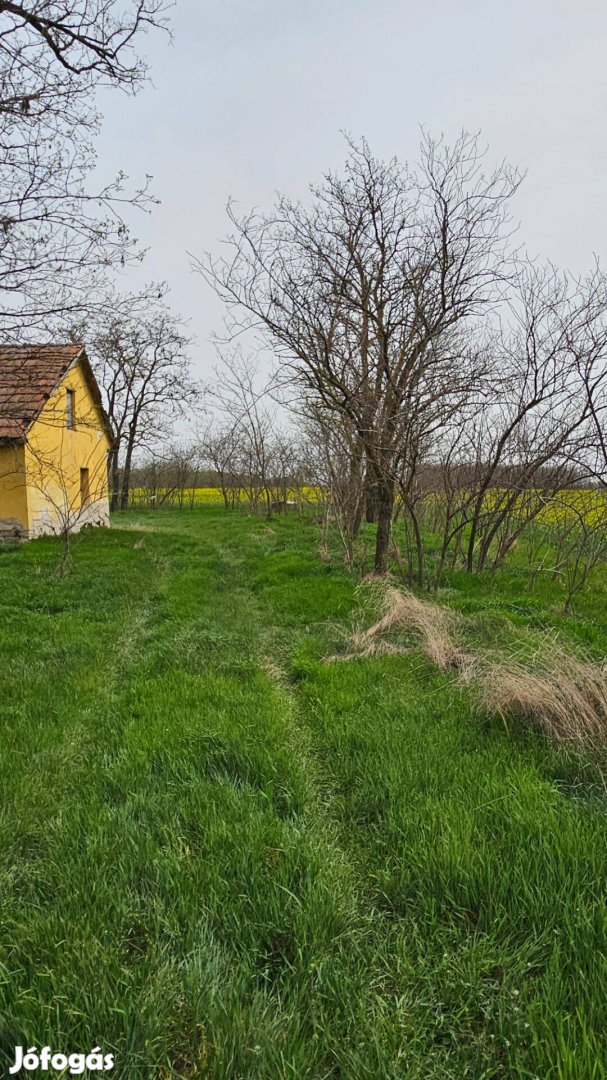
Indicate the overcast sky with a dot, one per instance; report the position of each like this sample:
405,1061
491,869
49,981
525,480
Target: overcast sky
251,97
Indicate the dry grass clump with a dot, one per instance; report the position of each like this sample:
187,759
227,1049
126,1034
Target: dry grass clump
563,695
402,611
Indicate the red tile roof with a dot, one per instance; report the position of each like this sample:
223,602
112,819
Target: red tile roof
28,376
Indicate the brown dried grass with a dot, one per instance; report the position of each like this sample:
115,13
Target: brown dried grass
432,624
563,695
401,610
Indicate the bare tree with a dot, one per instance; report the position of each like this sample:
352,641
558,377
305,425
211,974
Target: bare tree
577,532
535,432
168,475
142,367
335,462
243,395
59,236
219,448
356,291
72,507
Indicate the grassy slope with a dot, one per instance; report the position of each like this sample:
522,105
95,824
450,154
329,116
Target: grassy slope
220,857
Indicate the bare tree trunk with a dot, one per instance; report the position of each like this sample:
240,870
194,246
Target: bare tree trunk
384,493
357,486
126,475
66,551
371,500
114,472
418,543
358,518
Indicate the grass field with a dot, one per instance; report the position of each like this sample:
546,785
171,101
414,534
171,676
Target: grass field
221,857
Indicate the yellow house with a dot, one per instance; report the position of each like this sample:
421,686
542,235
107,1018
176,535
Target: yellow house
54,442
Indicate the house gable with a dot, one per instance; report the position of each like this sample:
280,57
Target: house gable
29,377
57,419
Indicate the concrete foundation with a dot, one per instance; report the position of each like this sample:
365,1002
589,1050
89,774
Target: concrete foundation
48,522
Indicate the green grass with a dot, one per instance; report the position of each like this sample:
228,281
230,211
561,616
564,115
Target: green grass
220,857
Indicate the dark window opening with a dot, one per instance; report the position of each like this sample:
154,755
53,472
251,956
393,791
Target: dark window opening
70,409
85,493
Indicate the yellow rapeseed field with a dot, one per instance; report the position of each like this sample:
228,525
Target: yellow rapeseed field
209,496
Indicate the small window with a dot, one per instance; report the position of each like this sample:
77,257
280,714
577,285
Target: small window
85,493
70,409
